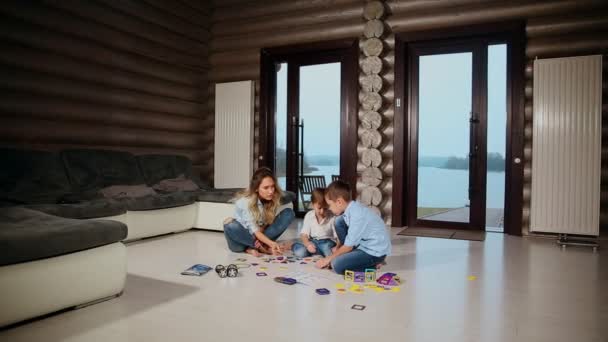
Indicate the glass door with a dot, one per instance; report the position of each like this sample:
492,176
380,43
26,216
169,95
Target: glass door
308,120
448,119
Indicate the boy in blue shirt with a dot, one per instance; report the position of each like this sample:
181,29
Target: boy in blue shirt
363,239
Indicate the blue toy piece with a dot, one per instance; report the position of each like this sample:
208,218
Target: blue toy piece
285,280
322,291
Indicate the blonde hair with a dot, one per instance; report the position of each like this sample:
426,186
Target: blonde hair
270,207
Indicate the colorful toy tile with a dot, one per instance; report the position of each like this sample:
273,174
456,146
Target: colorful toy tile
349,275
390,279
359,277
358,307
370,275
261,274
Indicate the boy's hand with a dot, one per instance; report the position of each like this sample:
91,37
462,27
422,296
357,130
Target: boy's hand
311,247
323,263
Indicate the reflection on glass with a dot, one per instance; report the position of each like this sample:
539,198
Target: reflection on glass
497,128
445,85
320,115
280,157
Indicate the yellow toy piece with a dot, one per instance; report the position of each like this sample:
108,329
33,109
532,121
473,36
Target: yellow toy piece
349,275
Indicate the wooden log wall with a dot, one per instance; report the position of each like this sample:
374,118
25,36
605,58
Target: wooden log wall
126,75
554,28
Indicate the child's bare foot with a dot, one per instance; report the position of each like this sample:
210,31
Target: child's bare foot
253,252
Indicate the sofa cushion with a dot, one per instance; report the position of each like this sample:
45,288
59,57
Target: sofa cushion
158,201
156,167
29,176
82,210
28,235
180,183
122,191
96,169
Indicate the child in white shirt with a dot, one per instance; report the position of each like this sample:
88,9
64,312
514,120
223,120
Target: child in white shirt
318,232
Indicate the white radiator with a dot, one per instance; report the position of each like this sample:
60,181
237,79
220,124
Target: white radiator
233,151
566,153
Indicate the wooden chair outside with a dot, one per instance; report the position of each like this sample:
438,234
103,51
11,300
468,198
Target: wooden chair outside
307,184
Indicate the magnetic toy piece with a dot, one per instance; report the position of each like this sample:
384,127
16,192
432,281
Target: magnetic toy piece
391,279
349,275
359,277
285,280
261,274
221,271
358,307
232,271
322,291
370,275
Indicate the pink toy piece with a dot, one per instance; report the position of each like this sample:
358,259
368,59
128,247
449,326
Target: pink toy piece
390,279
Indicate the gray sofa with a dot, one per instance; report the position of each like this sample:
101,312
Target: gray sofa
53,217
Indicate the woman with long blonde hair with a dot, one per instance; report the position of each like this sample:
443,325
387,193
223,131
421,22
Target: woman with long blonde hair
257,222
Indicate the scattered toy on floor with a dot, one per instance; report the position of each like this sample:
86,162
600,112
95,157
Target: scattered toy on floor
285,280
358,307
359,277
390,279
261,274
322,291
230,271
197,270
370,275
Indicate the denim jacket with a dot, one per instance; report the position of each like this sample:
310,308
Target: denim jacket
243,216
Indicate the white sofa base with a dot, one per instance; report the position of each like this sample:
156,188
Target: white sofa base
211,215
35,288
146,223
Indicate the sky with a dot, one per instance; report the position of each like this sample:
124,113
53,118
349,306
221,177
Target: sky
319,108
445,104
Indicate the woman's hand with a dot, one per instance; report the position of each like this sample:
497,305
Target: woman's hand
323,263
275,248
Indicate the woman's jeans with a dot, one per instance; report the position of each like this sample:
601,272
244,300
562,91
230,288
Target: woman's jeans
355,260
323,247
239,238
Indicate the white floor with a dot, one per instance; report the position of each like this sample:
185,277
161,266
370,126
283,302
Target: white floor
526,289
